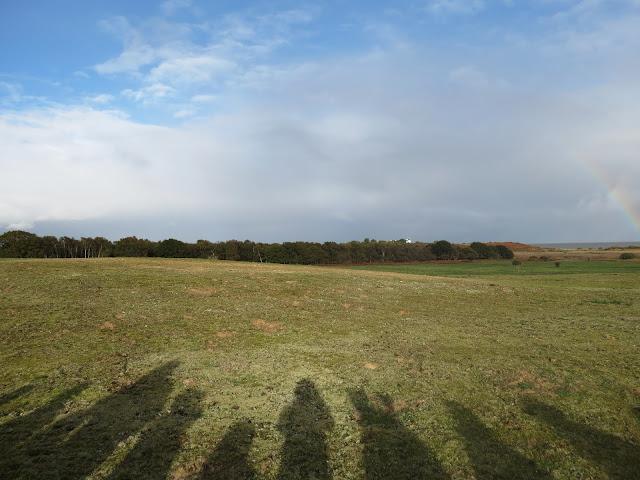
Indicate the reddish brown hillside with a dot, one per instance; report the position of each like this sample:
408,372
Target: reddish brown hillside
515,246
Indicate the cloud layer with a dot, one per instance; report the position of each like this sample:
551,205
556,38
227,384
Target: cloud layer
248,125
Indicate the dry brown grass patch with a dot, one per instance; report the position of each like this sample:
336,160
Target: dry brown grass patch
201,291
267,327
61,333
226,334
527,382
396,406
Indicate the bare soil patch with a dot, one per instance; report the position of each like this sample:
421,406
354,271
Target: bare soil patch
516,246
267,327
226,334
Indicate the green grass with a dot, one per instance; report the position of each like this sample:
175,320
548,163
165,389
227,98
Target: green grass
494,268
158,368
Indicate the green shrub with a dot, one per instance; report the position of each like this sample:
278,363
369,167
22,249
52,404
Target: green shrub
442,249
468,253
504,252
484,251
627,256
516,263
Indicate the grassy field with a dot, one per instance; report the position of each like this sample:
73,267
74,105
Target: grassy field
156,368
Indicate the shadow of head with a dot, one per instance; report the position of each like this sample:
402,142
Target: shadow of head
307,410
306,391
378,409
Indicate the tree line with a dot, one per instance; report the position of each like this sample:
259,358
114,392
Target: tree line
20,244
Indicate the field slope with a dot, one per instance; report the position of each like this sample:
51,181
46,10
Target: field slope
156,368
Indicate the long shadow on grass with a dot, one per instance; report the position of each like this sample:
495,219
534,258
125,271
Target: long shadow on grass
489,456
304,424
8,397
391,450
230,459
16,435
161,440
619,458
73,446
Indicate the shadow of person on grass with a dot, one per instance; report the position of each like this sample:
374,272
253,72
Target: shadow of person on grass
230,458
16,434
161,440
391,450
304,424
73,446
490,457
619,458
8,397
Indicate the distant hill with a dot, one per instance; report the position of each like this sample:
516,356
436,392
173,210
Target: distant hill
515,246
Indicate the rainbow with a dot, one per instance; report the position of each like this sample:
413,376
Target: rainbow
619,194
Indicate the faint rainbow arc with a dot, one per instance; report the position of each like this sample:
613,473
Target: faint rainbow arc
624,201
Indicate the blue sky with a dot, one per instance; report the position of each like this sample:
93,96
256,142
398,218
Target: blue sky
275,121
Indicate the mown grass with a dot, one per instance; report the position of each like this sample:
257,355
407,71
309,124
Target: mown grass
157,368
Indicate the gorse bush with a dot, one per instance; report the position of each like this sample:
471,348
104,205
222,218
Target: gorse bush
627,256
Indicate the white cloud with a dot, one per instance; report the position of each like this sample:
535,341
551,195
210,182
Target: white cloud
102,98
150,93
158,51
204,98
593,27
468,75
458,7
129,61
184,113
80,163
189,70
10,92
171,7
372,142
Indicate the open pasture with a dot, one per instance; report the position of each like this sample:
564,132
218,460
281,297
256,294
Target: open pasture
156,368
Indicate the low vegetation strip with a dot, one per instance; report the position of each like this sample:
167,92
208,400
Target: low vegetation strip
19,244
198,369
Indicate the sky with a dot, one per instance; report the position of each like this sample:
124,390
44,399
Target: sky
464,120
